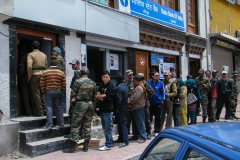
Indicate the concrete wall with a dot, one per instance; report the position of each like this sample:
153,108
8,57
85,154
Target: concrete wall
4,72
9,138
72,51
225,17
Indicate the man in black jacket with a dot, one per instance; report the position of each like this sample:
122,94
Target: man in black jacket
105,96
120,107
224,94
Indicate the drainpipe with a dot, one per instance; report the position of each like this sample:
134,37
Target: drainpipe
207,36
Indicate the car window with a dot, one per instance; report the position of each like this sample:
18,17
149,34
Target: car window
165,149
195,155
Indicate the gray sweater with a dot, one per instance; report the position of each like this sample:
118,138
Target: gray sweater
137,99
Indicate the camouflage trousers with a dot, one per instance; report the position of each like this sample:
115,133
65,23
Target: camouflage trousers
233,106
147,120
81,116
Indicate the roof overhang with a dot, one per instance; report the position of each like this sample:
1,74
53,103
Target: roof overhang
225,37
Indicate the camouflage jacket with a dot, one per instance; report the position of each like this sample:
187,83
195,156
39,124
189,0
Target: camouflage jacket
77,75
61,63
234,87
149,89
84,89
205,87
129,85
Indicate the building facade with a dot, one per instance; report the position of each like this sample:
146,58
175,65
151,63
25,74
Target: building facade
105,35
224,44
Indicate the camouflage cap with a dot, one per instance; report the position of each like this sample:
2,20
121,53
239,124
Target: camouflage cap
129,71
75,61
201,70
166,74
235,73
214,71
141,75
84,69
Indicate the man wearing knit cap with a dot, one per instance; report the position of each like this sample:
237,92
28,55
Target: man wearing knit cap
56,51
53,85
150,93
130,85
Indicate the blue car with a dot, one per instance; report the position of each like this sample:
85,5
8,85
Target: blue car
196,142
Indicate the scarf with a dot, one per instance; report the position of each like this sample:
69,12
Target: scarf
145,91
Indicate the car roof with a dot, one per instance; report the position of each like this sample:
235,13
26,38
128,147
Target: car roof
224,133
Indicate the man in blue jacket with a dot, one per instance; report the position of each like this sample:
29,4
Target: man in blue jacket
156,101
120,108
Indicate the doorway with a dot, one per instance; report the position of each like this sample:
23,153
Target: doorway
95,64
25,37
194,66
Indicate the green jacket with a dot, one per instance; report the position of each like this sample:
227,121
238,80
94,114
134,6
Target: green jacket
61,63
205,86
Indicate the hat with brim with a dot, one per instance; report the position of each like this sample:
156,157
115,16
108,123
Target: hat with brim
129,71
166,74
214,71
224,72
75,61
201,71
235,73
141,75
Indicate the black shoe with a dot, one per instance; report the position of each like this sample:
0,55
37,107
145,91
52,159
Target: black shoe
85,147
72,148
133,138
118,141
235,117
123,145
230,118
67,136
149,136
204,119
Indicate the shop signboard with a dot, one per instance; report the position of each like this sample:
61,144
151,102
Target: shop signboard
114,62
100,2
165,67
153,11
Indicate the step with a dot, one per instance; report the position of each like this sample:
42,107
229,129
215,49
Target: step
45,146
33,135
27,123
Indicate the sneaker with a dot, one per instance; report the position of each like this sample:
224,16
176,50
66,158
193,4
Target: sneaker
149,136
104,148
217,120
156,134
227,120
141,140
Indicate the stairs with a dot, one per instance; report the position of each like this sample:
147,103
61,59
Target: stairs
35,141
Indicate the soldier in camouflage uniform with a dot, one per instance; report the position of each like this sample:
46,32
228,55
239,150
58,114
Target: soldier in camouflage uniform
203,84
84,97
56,51
235,94
150,93
129,83
77,74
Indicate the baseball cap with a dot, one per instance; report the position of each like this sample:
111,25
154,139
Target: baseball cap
75,61
141,75
166,74
129,71
224,72
214,71
235,73
84,69
201,71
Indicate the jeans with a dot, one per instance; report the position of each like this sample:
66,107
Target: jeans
138,123
176,114
122,128
54,97
156,110
106,119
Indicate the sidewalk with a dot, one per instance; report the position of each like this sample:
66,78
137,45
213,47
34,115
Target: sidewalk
116,153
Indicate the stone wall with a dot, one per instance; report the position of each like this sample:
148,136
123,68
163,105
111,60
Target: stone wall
72,51
4,72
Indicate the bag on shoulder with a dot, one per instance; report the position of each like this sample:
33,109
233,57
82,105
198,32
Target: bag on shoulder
191,98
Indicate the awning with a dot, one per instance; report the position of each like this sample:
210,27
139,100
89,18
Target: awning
225,37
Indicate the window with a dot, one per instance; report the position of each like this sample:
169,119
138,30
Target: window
191,16
166,3
197,155
164,149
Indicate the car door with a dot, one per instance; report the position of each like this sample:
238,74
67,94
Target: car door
166,146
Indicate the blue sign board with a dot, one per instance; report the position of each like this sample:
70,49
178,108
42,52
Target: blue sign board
157,13
156,59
